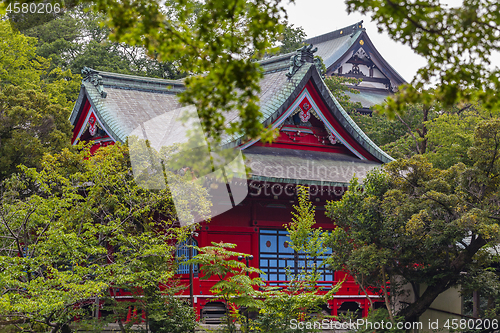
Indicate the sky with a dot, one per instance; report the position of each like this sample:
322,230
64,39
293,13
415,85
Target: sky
318,17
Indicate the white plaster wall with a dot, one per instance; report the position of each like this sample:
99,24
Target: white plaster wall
450,301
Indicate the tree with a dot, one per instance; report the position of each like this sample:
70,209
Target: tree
234,287
442,135
30,125
35,103
414,223
339,86
237,287
457,42
292,38
79,38
19,64
75,232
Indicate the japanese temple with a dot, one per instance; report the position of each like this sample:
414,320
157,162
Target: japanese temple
318,145
349,52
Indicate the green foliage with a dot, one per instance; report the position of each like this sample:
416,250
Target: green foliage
234,286
76,228
292,38
304,237
30,126
78,38
456,41
35,103
339,86
33,18
451,135
298,303
19,64
238,289
168,314
301,297
442,135
419,223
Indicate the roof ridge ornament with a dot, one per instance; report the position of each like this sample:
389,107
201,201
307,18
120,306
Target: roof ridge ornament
93,77
302,55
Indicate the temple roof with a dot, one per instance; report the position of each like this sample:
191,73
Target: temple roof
332,45
339,46
126,104
123,102
368,98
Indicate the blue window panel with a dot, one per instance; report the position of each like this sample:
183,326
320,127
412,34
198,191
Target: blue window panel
284,258
284,247
266,240
182,255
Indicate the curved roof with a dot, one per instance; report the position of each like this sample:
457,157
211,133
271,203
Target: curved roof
338,46
124,102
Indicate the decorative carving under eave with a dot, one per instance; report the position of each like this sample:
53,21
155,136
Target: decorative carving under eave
91,76
303,55
92,124
361,54
355,70
333,140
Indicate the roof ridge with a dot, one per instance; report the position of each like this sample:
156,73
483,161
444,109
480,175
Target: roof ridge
277,62
350,29
127,81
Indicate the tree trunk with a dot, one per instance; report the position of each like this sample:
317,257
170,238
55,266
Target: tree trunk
415,310
475,304
386,296
423,135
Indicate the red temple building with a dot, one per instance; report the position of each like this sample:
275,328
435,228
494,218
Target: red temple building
319,145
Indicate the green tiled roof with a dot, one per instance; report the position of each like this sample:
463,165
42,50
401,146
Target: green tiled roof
129,101
331,46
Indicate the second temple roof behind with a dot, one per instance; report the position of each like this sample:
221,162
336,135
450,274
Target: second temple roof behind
316,135
350,52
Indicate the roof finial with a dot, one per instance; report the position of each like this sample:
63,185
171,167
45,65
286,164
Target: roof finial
303,55
93,77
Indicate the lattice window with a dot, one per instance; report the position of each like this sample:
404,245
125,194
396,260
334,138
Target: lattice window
182,255
276,257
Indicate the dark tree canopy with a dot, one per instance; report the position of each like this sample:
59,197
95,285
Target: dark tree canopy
35,103
422,224
291,39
